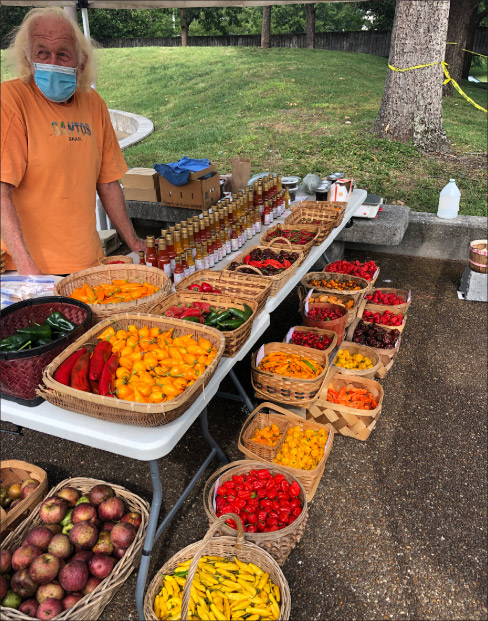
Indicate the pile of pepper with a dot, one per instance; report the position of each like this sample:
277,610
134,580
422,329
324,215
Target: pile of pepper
290,365
268,261
311,339
331,283
358,398
224,320
113,293
301,448
203,287
55,327
294,236
355,268
264,502
269,435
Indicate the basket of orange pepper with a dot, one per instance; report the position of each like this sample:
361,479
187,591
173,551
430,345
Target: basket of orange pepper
288,373
117,288
134,369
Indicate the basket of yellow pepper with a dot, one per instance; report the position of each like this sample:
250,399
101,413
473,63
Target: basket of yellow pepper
355,359
289,374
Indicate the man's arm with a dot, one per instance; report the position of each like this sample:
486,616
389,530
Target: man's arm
113,202
12,234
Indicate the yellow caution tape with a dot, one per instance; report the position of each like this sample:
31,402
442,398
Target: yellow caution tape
448,79
469,51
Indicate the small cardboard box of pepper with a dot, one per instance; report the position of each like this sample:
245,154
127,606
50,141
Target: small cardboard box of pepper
232,315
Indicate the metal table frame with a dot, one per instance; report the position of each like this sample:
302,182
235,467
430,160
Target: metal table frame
147,444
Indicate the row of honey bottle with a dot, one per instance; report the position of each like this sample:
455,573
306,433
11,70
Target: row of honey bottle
202,241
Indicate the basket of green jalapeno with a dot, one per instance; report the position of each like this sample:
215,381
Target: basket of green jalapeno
32,333
233,316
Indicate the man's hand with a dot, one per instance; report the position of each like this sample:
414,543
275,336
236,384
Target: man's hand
137,245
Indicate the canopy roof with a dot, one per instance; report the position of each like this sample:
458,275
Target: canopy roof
158,4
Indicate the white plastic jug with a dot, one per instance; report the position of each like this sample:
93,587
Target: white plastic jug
449,200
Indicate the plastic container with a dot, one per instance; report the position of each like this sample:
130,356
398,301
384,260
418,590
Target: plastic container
449,201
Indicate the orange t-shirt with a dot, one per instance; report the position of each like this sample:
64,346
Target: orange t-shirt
54,155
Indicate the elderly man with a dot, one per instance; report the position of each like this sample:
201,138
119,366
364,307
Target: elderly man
57,148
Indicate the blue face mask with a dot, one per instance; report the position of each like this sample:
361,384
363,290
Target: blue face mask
55,82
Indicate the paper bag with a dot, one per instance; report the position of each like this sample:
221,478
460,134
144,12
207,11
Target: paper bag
241,173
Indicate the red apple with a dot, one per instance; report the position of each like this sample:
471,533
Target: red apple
82,555
23,584
107,526
99,493
44,568
39,536
84,535
29,607
133,518
3,587
5,561
100,565
60,546
27,490
51,590
53,510
70,494
73,576
111,510
23,557
54,528
71,599
104,544
28,482
91,585
119,552
123,534
49,609
85,512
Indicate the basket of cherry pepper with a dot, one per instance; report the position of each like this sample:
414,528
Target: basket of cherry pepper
273,265
367,270
271,503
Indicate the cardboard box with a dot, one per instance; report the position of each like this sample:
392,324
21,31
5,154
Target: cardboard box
196,194
141,184
137,194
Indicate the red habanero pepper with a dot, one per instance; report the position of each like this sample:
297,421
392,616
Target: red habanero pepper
231,498
274,528
253,504
206,287
237,479
278,479
294,503
296,511
235,509
262,515
239,502
271,521
272,492
251,528
79,373
261,493
107,378
275,504
266,504
244,493
229,484
63,372
195,287
227,509
263,474
294,489
285,486
256,484
101,354
252,518
283,496
221,491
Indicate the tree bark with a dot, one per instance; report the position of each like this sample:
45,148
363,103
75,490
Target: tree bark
477,19
184,28
411,107
266,28
462,21
310,10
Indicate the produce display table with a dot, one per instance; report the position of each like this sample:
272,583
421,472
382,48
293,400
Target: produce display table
149,443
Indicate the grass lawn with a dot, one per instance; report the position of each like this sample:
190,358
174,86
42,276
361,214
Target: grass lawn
293,111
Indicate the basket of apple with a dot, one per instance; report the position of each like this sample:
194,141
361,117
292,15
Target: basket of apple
68,559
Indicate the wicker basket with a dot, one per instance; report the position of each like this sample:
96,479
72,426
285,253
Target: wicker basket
15,471
279,543
336,325
345,420
241,285
237,544
310,479
335,209
130,412
357,294
92,605
399,308
477,256
387,356
342,299
380,308
258,420
276,281
289,390
330,333
302,215
371,282
105,274
116,257
234,339
355,348
265,239
21,372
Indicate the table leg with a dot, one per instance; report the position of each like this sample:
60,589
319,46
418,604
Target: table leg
150,536
242,396
326,258
210,441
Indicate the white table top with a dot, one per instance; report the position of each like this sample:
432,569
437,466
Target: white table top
147,443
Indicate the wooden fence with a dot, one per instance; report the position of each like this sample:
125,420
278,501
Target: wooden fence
376,42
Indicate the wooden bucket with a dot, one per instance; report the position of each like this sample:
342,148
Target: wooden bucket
478,256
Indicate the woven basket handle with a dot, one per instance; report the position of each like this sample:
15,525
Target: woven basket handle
199,553
280,238
251,267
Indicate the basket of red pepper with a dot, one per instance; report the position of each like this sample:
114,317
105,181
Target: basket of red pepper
316,338
301,236
271,503
231,315
367,270
274,265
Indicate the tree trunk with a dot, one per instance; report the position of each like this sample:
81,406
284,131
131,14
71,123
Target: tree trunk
266,28
184,28
411,107
477,18
462,19
310,9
